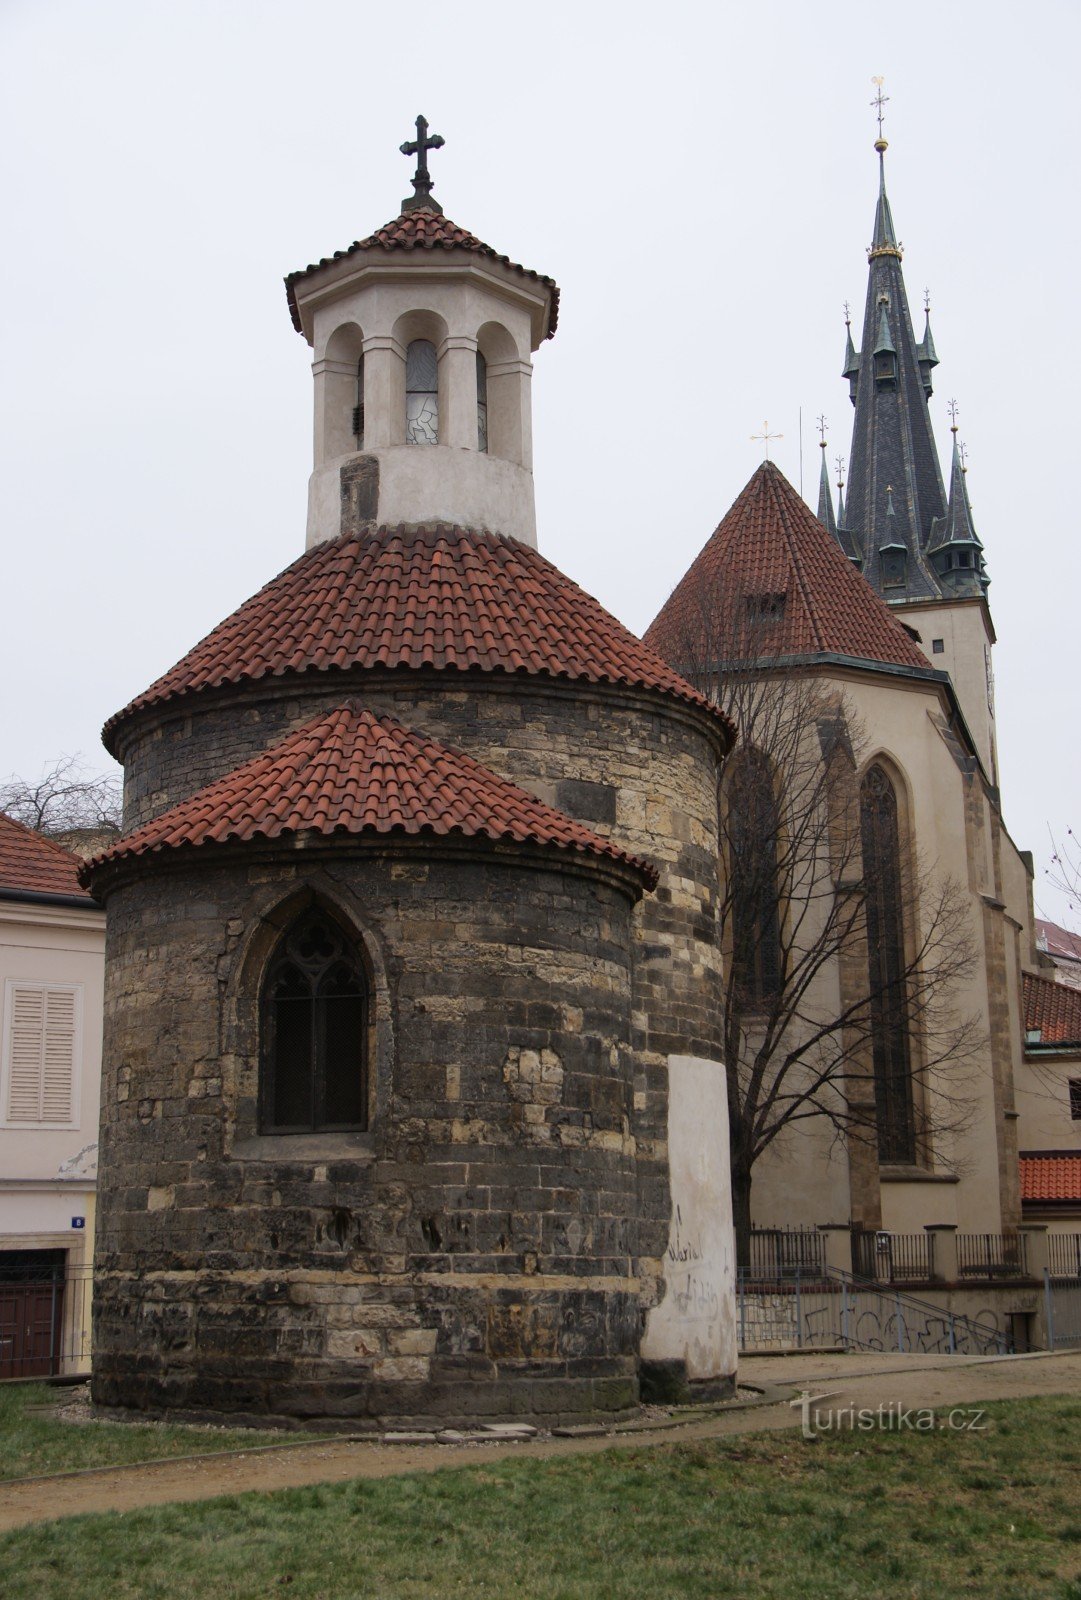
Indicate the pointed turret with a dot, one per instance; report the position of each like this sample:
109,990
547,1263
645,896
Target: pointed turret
955,551
925,350
893,462
825,496
852,361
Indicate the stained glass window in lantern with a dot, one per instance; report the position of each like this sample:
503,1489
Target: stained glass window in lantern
883,887
358,409
314,1032
421,393
482,402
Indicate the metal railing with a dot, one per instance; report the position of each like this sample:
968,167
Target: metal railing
839,1311
780,1255
893,1257
44,1318
991,1255
1064,1255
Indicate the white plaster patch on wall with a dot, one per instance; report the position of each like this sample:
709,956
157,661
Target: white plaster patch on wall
696,1320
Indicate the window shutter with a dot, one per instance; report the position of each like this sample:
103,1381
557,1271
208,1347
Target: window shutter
41,1054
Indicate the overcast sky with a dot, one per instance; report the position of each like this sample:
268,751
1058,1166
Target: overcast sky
700,181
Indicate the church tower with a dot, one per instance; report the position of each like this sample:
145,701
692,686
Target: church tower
422,337
915,544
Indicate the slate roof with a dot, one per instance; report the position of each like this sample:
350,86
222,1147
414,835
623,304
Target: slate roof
1053,1008
1059,942
422,229
1054,1177
30,864
770,545
349,771
439,597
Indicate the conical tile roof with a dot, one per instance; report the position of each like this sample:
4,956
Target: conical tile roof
422,229
349,771
771,582
440,597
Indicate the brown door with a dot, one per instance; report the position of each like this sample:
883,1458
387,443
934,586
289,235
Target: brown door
31,1321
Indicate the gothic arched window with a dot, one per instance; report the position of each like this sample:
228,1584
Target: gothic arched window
482,402
421,393
756,926
883,882
315,1011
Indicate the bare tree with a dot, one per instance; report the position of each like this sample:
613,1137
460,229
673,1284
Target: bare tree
1064,873
844,952
67,798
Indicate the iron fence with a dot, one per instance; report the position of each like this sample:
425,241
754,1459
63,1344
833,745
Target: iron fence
991,1255
780,1255
1064,1255
44,1316
893,1257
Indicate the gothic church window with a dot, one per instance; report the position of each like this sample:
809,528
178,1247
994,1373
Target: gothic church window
753,832
315,1011
421,393
890,1045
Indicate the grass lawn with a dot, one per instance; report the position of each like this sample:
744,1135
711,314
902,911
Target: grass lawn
903,1515
31,1442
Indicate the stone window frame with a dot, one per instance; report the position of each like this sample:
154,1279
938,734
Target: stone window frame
278,909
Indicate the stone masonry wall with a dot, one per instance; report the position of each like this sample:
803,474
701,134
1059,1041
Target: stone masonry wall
639,767
474,1254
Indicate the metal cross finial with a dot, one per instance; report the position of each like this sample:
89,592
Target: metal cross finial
822,424
962,451
422,182
952,409
927,301
879,101
840,472
766,436
848,315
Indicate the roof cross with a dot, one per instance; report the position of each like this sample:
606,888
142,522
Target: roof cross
840,471
848,315
952,409
422,182
766,436
962,451
822,425
879,101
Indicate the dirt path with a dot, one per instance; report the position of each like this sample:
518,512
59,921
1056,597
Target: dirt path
932,1381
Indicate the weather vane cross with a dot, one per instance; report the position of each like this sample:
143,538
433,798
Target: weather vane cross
879,101
422,181
840,471
766,436
822,425
952,409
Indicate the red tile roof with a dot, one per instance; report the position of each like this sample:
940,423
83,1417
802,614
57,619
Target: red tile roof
349,771
32,864
728,605
438,597
424,230
1057,941
1054,1177
1053,1008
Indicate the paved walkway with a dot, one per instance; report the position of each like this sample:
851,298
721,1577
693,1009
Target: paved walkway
858,1380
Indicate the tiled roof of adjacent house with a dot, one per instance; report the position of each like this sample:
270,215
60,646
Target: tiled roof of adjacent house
770,583
1051,1177
30,864
349,771
424,230
1054,1009
440,597
1057,941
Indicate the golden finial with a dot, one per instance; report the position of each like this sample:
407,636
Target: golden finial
952,409
822,425
840,472
766,436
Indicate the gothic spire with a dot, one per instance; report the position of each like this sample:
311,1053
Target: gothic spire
893,461
825,495
955,551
